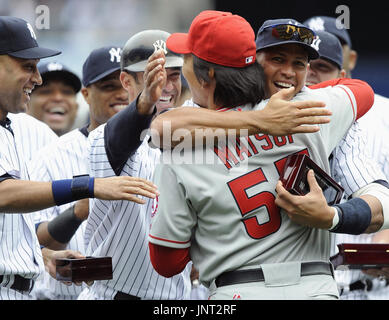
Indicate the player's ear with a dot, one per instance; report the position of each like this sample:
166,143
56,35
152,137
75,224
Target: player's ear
85,94
353,57
211,74
342,73
124,79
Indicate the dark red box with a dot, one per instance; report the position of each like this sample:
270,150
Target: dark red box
86,269
294,178
361,256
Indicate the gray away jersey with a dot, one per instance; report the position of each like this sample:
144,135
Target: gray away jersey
225,211
120,229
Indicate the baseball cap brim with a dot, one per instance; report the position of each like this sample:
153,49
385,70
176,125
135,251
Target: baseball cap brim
34,53
312,53
67,76
171,62
102,75
178,43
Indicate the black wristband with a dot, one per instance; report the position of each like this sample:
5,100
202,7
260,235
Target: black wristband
64,226
82,187
354,217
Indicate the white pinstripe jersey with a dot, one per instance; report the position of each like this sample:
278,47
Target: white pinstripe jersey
34,134
225,212
120,228
20,253
361,158
63,159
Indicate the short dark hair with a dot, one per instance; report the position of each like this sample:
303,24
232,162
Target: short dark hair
133,74
234,86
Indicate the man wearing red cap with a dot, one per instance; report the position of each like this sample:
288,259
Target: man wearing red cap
221,214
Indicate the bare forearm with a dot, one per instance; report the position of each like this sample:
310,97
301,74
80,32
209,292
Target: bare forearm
199,121
20,196
377,217
280,117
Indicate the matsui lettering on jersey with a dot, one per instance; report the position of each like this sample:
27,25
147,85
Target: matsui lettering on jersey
231,154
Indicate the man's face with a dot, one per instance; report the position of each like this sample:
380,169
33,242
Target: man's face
199,95
284,66
321,70
18,78
170,92
105,97
55,104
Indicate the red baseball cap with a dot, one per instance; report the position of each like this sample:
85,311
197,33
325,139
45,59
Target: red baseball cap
218,37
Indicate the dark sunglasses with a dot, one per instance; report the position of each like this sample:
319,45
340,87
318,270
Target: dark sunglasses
288,31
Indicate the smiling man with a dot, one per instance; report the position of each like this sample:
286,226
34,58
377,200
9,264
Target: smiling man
54,102
283,57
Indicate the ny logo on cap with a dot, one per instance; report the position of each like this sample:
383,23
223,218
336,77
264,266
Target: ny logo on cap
31,31
54,66
115,54
315,43
316,24
160,44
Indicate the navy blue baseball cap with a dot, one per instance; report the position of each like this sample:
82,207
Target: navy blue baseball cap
18,39
328,24
269,36
100,63
56,70
329,47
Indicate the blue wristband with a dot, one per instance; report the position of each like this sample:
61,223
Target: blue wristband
62,191
69,190
354,217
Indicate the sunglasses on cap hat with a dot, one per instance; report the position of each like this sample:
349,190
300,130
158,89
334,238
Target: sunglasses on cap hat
288,31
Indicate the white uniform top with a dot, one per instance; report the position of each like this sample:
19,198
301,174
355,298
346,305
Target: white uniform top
225,212
62,159
120,228
31,133
361,158
20,253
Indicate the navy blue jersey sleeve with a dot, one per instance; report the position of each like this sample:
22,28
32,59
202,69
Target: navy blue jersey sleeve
122,135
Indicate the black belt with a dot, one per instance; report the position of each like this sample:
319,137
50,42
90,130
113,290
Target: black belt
125,296
255,275
20,283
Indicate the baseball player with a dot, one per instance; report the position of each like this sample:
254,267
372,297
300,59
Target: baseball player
355,173
55,101
67,158
232,229
329,24
31,133
21,257
120,228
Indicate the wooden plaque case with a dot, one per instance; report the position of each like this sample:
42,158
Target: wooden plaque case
294,178
86,269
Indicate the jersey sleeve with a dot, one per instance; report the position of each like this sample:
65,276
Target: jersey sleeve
173,219
360,93
341,102
354,167
123,135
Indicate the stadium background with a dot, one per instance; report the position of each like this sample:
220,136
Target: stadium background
77,27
